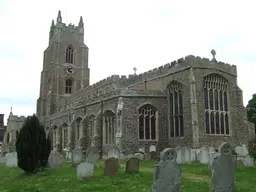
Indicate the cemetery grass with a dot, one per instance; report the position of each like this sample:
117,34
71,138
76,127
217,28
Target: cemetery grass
195,178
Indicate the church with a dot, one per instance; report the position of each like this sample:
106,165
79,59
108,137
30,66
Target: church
191,101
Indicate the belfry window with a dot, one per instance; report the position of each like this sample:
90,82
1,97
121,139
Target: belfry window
69,55
216,105
147,122
176,109
68,86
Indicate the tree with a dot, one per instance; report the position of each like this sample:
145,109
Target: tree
31,145
251,110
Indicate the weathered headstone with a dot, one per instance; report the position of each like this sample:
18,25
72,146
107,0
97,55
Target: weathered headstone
167,174
111,166
154,155
113,151
204,155
11,159
92,155
140,156
223,170
77,156
55,159
248,161
85,170
132,165
147,156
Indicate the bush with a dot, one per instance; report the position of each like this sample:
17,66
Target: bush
32,146
252,148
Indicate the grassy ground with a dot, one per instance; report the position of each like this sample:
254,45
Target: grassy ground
195,178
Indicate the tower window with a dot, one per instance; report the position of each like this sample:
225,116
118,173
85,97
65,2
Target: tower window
69,55
216,105
68,88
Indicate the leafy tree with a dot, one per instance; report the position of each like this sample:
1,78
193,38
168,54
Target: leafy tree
251,110
31,145
252,148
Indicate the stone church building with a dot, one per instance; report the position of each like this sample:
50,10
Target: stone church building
192,101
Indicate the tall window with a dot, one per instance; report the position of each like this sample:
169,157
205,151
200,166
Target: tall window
92,125
68,86
216,105
78,127
176,110
109,127
147,122
65,137
69,55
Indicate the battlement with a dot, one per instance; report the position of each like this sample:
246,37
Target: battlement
17,118
115,82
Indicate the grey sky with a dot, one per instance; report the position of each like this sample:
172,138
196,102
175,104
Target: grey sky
121,35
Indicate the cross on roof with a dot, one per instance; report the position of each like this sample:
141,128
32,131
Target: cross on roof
134,69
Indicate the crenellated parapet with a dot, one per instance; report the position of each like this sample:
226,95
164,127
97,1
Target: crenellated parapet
109,85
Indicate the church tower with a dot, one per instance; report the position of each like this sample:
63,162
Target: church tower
65,65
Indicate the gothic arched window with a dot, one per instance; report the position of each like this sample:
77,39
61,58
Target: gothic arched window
216,105
68,86
147,122
69,55
92,125
65,135
176,109
109,126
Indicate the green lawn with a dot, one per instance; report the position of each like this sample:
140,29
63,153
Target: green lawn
195,178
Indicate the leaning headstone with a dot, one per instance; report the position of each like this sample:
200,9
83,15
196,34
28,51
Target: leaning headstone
55,159
111,166
85,170
223,170
140,156
167,174
77,156
92,155
132,165
11,159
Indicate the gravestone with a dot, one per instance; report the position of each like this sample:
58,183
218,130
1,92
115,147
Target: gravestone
147,156
92,155
223,170
154,155
140,156
55,159
167,174
11,159
248,161
132,165
204,155
77,156
85,170
111,166
113,151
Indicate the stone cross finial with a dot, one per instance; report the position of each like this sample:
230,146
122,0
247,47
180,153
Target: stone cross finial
134,69
213,52
11,109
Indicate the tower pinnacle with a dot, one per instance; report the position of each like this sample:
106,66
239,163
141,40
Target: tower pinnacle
81,23
59,18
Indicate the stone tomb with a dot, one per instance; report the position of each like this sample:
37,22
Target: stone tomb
223,170
132,165
55,159
92,155
111,166
167,174
85,170
77,156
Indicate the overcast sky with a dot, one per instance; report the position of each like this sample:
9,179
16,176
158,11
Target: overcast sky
122,34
